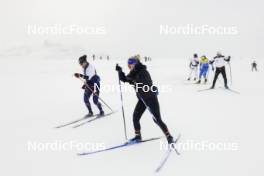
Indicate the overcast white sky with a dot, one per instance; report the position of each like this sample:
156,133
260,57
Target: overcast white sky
134,26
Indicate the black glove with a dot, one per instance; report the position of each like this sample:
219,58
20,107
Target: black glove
118,68
228,59
84,86
77,75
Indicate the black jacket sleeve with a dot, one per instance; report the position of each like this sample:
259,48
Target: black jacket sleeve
124,78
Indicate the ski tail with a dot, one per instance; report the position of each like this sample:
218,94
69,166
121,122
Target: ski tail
73,122
96,118
168,153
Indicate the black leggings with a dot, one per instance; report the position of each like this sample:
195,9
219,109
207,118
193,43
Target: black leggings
217,72
153,105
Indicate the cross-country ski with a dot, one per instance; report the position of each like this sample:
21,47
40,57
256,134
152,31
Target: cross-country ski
171,148
75,121
96,117
126,144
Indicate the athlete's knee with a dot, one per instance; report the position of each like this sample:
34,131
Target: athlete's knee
95,100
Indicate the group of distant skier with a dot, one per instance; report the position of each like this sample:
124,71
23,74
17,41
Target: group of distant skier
199,68
100,57
146,58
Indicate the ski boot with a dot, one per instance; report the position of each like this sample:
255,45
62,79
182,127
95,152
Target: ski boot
188,79
226,87
198,82
170,139
90,114
136,139
194,79
205,80
212,87
101,114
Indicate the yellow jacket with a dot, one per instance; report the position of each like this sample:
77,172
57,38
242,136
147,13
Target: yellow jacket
204,60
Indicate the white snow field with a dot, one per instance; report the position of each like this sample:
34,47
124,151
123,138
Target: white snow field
40,93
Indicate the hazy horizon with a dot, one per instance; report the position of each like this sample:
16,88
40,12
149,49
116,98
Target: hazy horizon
133,27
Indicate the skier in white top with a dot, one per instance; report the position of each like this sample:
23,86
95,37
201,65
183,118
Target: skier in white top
219,62
194,62
92,85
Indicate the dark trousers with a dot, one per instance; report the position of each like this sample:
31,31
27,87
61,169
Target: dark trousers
254,68
87,95
217,72
153,105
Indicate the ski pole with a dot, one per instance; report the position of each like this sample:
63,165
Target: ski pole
96,94
123,111
208,72
148,108
231,79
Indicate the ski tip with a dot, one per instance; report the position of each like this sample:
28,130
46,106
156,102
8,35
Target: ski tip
157,171
57,127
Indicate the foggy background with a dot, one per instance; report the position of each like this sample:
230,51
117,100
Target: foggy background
134,26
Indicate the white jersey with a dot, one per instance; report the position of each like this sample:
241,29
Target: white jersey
194,61
219,61
90,71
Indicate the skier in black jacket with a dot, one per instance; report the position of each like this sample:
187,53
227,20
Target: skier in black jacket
146,92
254,66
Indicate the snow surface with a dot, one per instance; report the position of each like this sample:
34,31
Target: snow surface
39,93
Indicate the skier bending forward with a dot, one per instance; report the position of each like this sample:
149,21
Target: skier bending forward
146,94
93,82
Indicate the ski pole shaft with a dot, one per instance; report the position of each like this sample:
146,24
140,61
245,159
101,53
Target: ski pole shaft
148,108
96,94
123,111
231,77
